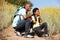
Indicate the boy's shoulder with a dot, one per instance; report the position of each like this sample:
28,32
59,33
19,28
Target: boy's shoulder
35,16
32,16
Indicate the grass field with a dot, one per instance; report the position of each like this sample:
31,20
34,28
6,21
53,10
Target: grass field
52,17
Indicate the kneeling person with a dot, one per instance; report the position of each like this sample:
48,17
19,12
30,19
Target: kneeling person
22,21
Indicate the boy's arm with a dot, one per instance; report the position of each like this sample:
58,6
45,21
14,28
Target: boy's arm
33,20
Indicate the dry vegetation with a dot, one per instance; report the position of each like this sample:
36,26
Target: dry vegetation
49,15
6,14
52,17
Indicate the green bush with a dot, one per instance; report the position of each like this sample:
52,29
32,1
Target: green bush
16,2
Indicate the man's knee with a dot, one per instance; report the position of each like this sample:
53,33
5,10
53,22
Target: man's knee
28,20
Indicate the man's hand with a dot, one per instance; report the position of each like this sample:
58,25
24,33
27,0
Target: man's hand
25,16
29,16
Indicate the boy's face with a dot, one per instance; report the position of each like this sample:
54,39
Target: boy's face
28,7
37,13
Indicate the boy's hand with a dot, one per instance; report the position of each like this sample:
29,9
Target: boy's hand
40,23
34,22
31,20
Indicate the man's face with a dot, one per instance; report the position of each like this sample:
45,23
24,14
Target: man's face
28,7
37,12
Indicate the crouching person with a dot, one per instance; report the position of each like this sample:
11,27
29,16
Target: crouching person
22,21
37,23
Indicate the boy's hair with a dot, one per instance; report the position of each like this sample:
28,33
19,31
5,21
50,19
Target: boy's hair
27,2
34,10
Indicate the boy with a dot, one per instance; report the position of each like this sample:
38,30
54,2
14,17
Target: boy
37,23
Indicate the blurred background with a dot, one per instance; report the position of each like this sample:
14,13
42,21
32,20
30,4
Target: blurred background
49,12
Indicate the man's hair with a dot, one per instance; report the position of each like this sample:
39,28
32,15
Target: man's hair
34,10
27,2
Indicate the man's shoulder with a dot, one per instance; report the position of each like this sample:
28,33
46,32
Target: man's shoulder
23,9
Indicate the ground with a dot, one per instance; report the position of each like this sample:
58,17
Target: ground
8,34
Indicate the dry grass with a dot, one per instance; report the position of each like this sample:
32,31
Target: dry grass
52,17
6,13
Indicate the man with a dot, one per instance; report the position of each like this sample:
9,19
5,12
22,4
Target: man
37,23
22,20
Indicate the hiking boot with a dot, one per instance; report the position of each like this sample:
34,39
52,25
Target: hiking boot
46,35
29,36
18,33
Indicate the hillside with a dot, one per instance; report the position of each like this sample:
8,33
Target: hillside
6,13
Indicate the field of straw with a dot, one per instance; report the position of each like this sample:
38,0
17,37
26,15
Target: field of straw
52,17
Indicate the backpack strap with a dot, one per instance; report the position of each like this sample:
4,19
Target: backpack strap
18,11
36,18
39,19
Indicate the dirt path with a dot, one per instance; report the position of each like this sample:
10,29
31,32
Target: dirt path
10,35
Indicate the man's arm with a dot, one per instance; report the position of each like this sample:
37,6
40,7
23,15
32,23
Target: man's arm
25,17
23,11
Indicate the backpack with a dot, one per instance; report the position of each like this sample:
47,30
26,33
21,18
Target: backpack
15,14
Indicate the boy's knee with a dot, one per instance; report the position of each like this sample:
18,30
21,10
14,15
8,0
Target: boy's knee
45,23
